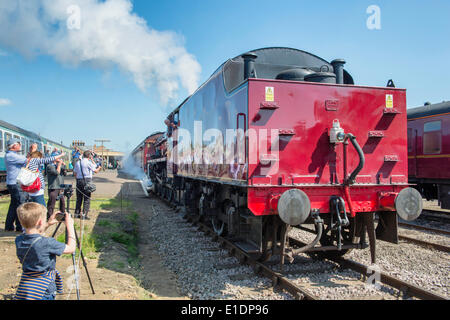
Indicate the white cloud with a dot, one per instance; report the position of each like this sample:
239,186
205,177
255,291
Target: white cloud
4,102
101,34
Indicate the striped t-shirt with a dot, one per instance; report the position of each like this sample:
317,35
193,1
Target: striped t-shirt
35,163
38,257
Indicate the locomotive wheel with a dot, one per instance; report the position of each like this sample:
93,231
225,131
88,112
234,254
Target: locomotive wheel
270,231
218,226
201,207
188,209
221,227
170,194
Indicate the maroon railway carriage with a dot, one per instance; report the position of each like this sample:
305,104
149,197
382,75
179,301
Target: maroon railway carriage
146,150
429,151
278,138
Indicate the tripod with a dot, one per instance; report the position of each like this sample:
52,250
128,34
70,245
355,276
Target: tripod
68,195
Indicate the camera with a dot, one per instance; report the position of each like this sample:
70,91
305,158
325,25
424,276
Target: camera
63,170
60,216
68,190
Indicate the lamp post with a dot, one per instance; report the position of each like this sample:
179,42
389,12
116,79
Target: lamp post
103,149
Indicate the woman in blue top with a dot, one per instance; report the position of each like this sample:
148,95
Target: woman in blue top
35,162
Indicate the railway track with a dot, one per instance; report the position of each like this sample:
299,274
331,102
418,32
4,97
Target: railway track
423,228
280,279
259,268
435,215
406,288
4,194
425,243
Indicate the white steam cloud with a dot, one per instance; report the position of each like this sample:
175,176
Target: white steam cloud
130,167
102,34
5,102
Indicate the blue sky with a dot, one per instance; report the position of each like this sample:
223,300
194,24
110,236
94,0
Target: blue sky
87,102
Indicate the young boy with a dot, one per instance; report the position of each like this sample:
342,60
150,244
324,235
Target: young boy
37,253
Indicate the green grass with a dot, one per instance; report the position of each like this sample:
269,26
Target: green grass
96,204
91,243
4,205
108,204
112,231
129,239
119,264
108,224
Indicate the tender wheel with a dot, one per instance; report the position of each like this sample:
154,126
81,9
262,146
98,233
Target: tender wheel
201,207
188,210
218,226
271,230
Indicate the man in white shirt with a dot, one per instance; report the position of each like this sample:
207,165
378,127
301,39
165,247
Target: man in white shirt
83,171
14,161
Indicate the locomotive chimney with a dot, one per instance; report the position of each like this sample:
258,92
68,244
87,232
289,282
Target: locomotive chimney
338,66
249,65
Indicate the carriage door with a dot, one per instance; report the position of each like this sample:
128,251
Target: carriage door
412,152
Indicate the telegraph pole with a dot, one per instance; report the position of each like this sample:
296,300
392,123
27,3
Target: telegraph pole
103,149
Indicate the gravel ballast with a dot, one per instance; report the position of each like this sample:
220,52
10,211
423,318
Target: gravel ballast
207,272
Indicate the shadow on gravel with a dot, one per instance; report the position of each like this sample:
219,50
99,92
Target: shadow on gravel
123,175
120,236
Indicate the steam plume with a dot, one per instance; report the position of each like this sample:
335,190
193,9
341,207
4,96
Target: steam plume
101,34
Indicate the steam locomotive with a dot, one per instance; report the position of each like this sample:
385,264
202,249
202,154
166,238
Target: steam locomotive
279,138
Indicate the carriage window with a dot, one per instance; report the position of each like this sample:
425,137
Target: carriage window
24,146
1,140
432,137
7,137
410,140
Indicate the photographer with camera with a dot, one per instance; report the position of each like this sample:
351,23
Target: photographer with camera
76,155
40,280
55,175
83,171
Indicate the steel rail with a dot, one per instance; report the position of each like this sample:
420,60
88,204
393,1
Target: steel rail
423,228
403,286
424,243
435,215
301,293
259,268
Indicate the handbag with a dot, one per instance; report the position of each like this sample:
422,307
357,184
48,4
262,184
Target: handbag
26,177
29,180
35,187
89,187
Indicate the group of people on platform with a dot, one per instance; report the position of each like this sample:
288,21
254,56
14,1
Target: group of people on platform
54,168
29,215
77,154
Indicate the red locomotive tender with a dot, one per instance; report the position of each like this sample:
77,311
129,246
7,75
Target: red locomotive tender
280,138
